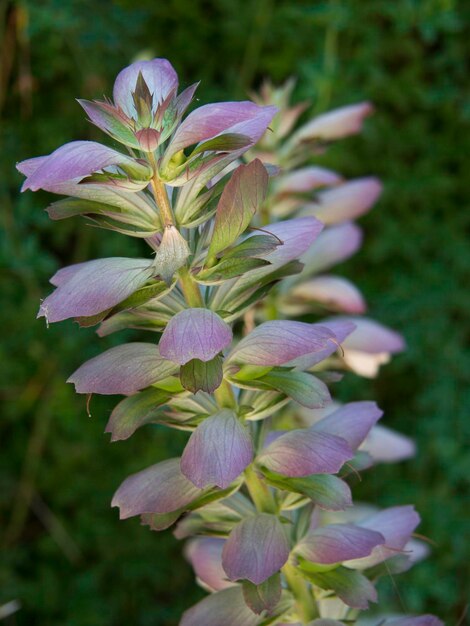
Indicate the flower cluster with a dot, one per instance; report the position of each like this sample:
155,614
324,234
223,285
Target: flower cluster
240,235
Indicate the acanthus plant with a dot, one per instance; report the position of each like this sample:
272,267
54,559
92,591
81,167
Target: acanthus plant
228,209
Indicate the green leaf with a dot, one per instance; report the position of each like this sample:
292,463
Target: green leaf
262,597
239,201
199,375
350,586
327,491
223,143
302,387
229,268
135,411
254,246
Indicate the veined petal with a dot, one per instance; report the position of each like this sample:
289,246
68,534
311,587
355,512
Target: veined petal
225,607
396,524
194,334
244,118
159,75
161,488
205,555
334,292
297,236
123,370
280,341
302,452
352,422
335,244
336,124
336,543
95,286
347,201
218,451
256,549
72,160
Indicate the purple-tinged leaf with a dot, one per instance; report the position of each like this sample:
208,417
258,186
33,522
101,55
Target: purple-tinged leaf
225,607
302,387
240,199
396,524
347,201
161,489
218,451
256,549
281,341
387,446
350,586
305,451
205,556
159,75
245,118
306,179
123,370
263,597
333,292
297,236
194,334
72,160
89,288
196,375
335,124
111,120
352,422
336,543
340,330
135,411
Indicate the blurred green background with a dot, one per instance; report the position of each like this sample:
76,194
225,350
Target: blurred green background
65,556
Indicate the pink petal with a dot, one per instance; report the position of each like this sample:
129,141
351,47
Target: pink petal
352,422
256,549
159,75
123,369
218,451
194,334
205,555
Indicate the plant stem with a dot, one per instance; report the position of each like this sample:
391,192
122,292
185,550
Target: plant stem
259,491
161,196
190,288
304,599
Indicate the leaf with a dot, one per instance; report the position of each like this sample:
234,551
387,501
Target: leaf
302,387
263,597
223,143
326,491
228,268
239,201
253,246
135,411
350,586
197,375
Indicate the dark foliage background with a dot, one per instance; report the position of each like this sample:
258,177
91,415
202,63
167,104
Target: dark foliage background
66,558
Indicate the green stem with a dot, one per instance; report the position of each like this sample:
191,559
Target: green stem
225,396
190,288
305,603
259,491
161,196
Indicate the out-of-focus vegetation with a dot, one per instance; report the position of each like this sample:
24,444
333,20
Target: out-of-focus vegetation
66,558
